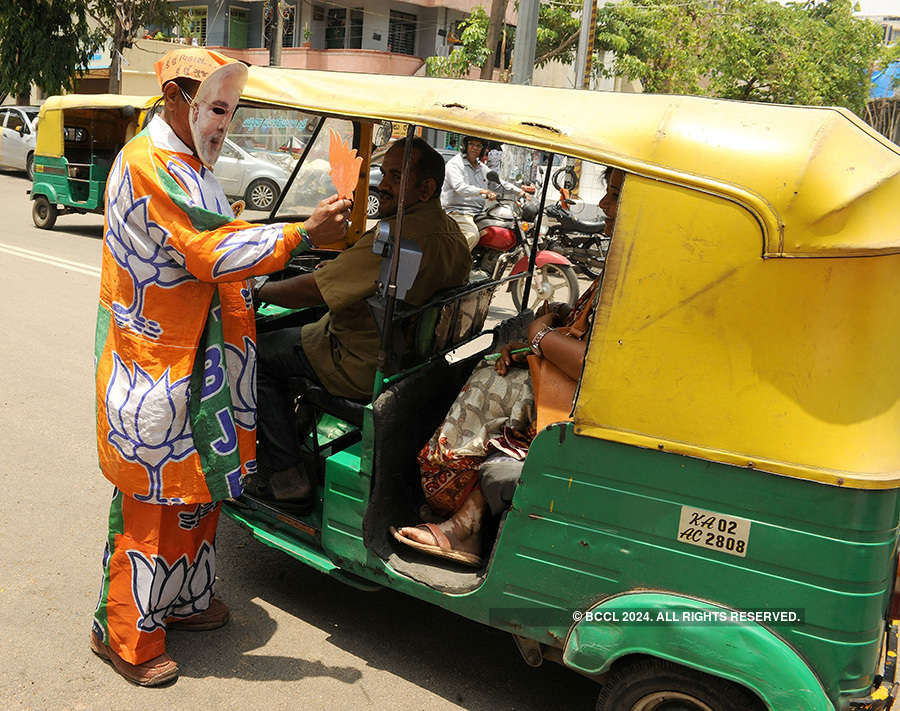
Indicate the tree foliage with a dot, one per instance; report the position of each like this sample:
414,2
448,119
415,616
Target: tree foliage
472,51
557,38
808,52
123,21
44,42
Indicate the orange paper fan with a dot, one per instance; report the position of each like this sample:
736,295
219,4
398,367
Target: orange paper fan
345,166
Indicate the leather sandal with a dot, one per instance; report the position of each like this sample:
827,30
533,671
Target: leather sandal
213,617
443,549
154,672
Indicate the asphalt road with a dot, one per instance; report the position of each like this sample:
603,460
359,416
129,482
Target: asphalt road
297,639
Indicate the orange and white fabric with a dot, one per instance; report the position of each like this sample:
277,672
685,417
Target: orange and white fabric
175,259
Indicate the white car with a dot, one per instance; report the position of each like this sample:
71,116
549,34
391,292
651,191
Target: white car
18,133
257,177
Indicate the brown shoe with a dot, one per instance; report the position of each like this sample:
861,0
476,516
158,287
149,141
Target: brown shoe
213,617
155,672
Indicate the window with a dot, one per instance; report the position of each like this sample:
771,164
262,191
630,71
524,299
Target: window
196,24
335,28
287,28
356,29
402,32
3,114
17,123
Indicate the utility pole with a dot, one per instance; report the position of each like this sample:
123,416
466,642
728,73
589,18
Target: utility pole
498,16
526,42
583,61
277,36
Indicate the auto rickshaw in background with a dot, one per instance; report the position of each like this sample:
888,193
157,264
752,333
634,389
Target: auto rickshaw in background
79,136
714,525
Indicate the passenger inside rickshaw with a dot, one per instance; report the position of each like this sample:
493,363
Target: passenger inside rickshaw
471,465
337,352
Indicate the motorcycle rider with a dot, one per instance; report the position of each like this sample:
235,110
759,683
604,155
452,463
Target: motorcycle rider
466,187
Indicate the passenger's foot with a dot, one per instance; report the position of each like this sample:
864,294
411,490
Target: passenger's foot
292,490
155,672
457,539
213,617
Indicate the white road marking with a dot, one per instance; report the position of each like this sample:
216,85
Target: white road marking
88,269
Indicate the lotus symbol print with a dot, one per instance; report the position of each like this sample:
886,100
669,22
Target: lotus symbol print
162,591
241,366
137,245
148,421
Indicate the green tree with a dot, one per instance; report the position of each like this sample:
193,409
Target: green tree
472,52
801,53
43,42
123,21
557,39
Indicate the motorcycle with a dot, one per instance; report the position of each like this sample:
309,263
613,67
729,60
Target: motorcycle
504,226
582,242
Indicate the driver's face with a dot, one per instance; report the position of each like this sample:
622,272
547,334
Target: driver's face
389,187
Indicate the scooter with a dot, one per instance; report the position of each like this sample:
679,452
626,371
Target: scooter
504,228
582,242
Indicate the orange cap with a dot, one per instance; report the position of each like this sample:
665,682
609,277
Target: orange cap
192,63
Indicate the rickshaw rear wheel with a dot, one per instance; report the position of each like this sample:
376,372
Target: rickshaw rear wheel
43,212
650,684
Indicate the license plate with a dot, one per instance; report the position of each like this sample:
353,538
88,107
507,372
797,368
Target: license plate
718,532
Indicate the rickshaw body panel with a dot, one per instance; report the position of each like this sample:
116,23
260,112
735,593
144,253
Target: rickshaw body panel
701,347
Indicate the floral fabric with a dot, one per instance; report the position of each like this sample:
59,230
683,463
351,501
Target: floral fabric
490,412
148,578
174,260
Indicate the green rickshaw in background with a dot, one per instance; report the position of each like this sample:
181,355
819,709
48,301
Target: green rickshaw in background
79,136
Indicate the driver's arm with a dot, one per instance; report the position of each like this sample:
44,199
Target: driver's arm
293,293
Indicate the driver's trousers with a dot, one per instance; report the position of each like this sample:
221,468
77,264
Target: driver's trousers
280,357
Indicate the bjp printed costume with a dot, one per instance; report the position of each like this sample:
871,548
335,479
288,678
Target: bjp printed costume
175,363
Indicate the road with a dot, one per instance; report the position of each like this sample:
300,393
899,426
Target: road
297,639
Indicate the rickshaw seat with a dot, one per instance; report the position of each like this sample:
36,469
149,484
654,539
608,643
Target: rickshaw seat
315,394
449,319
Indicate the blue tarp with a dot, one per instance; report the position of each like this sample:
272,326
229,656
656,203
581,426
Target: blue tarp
883,81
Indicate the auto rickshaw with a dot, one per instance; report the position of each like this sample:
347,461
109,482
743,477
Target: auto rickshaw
79,136
714,527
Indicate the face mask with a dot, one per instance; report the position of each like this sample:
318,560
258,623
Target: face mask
212,108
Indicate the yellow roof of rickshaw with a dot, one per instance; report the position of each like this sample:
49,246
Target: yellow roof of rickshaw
95,101
819,180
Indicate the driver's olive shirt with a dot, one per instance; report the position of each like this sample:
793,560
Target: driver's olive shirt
343,345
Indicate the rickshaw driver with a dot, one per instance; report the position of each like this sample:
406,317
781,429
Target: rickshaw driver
176,413
340,349
458,537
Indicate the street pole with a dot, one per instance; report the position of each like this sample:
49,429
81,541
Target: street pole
526,42
277,36
583,37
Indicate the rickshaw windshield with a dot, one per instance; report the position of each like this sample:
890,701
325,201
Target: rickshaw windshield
278,138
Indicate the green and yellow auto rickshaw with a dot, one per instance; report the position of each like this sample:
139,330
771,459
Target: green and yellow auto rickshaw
79,136
715,526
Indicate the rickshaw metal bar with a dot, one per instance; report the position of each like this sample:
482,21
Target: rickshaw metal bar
532,256
306,149
391,291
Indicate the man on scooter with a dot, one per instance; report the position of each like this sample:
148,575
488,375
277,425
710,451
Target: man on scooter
466,187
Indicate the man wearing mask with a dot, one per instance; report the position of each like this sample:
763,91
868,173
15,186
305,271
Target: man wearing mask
175,361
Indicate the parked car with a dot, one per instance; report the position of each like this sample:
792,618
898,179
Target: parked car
18,131
256,177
